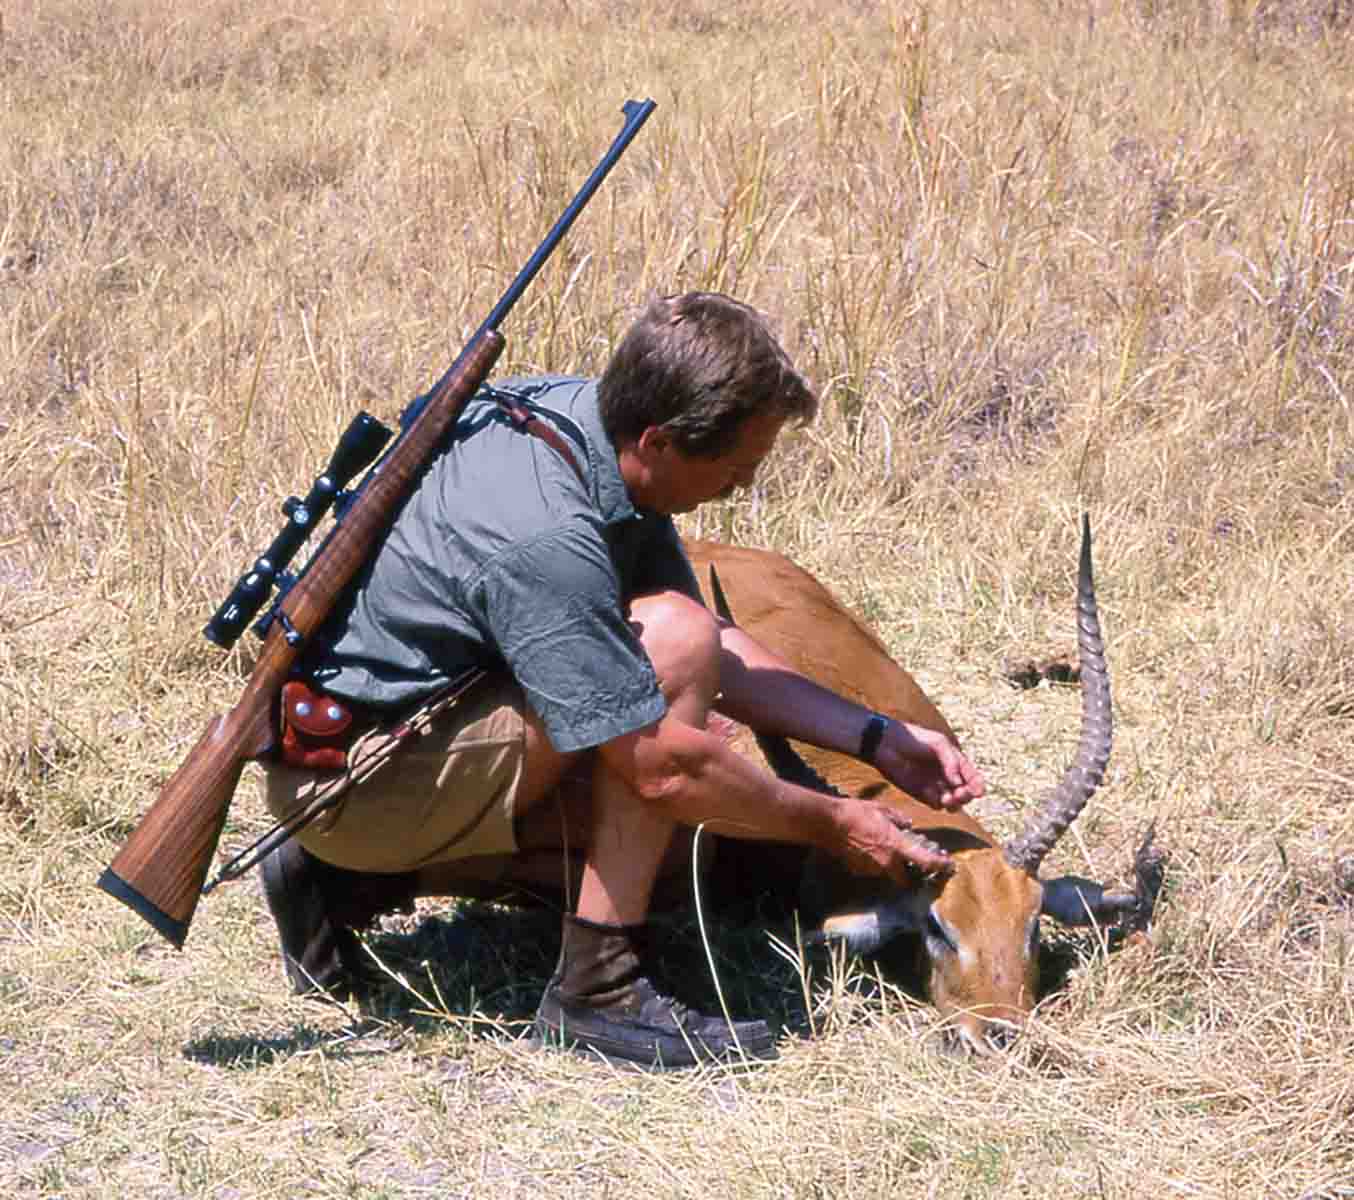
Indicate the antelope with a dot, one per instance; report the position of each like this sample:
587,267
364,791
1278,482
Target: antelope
977,929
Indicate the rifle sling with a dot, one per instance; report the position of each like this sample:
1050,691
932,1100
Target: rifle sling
362,761
527,421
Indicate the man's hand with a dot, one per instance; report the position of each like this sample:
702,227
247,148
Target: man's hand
927,765
879,840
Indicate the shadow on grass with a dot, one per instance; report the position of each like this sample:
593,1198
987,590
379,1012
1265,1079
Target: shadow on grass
492,963
481,967
247,1052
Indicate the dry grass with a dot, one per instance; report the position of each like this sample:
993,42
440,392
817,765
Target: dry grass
1036,255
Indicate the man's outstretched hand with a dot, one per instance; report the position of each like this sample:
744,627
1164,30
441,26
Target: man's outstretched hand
927,765
879,840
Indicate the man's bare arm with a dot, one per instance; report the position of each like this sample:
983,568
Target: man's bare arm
695,778
762,690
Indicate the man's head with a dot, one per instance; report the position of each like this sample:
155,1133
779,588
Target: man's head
699,385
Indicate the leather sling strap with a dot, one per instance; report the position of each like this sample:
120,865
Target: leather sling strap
368,753
528,422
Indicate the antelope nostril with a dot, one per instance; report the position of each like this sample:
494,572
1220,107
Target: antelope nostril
1000,1034
956,1043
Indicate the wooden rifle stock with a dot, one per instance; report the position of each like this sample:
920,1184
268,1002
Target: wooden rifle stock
160,870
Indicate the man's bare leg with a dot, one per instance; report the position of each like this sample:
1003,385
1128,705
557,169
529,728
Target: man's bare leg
630,838
600,999
552,839
572,803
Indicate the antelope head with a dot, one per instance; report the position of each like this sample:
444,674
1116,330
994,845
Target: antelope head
977,929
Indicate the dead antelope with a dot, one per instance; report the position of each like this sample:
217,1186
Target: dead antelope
978,930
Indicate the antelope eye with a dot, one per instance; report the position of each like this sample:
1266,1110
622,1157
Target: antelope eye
935,931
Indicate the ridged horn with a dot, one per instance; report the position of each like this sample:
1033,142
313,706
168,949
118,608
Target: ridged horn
1063,805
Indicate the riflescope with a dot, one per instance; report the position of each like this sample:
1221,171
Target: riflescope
360,444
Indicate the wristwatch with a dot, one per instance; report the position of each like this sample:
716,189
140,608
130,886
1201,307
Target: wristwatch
871,736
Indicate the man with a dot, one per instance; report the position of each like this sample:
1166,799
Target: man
552,563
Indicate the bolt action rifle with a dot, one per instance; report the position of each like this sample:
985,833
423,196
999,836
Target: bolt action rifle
160,870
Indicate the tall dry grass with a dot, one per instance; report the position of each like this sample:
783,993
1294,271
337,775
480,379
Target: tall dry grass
1037,256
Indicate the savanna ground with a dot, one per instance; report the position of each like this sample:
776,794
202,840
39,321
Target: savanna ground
1038,256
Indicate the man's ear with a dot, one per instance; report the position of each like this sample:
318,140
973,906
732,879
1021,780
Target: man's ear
654,441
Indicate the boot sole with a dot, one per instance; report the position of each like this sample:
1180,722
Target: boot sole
670,1052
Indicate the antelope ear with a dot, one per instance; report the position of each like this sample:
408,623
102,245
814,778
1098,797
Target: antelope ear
1076,901
866,930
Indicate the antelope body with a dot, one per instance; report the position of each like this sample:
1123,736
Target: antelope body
978,929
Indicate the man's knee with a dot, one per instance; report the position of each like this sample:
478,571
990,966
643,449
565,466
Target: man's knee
681,638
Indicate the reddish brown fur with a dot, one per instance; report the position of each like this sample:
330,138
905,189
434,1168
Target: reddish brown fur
788,610
989,906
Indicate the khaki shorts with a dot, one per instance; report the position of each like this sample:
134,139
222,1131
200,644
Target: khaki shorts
448,794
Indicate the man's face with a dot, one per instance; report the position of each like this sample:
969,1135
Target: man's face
673,482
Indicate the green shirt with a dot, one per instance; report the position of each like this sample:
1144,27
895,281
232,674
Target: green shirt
503,558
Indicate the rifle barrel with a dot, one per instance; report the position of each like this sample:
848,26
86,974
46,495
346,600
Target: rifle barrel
636,113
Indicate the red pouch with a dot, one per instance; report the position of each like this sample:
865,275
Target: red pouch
316,729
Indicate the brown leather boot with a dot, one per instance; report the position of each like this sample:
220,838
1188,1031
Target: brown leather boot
316,907
600,1001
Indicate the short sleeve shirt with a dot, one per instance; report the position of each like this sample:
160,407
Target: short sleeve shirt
502,557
